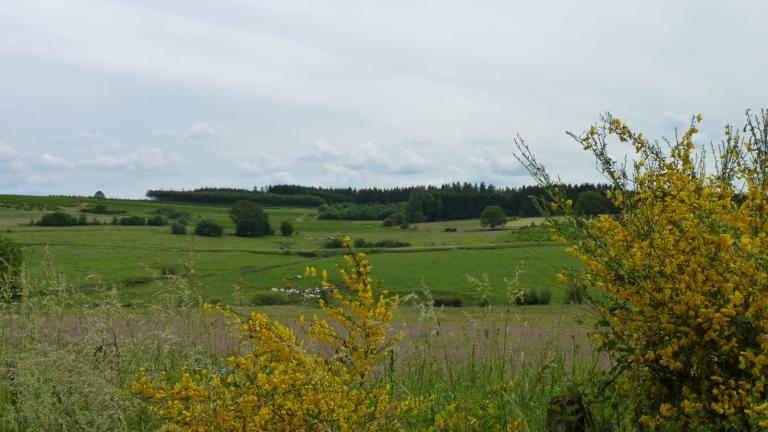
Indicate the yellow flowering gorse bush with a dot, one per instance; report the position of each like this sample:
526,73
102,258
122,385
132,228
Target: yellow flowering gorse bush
288,383
682,274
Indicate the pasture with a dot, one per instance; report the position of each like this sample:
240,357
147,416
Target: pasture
230,269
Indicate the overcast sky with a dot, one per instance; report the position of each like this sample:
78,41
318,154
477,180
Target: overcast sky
124,96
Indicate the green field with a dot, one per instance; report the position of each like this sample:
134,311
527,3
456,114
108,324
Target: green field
135,259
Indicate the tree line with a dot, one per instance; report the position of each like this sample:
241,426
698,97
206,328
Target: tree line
422,203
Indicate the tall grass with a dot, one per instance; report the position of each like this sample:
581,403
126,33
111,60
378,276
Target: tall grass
66,363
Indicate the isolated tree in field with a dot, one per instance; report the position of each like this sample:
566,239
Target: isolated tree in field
208,228
99,195
10,269
592,203
250,220
286,228
493,216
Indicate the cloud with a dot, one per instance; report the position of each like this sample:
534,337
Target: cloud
494,164
367,157
80,136
7,152
266,164
201,131
322,150
146,159
52,161
673,120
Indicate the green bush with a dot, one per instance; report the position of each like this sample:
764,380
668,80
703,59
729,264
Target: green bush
286,228
450,229
533,296
362,243
333,243
208,228
58,219
133,221
451,301
178,229
156,220
394,219
269,298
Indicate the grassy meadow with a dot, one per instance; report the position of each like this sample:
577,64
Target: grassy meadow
135,258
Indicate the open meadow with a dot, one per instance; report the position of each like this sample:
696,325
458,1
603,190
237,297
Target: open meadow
135,258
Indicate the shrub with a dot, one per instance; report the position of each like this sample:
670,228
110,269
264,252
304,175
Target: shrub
99,209
11,259
82,220
334,243
178,229
58,219
286,228
156,220
450,229
133,221
394,219
533,296
361,243
208,228
269,298
451,301
682,269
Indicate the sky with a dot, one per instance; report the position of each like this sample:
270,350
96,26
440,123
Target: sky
126,96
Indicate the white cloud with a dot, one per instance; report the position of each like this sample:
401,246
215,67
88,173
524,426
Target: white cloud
201,130
147,159
80,136
53,161
266,164
321,151
366,158
7,152
494,164
673,120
